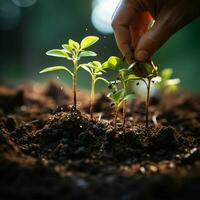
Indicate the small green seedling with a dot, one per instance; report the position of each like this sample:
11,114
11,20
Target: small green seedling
72,51
167,85
96,71
123,72
118,97
145,72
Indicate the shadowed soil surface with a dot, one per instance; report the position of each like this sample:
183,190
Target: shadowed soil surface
49,150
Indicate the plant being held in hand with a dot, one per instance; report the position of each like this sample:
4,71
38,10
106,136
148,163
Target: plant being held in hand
145,72
96,71
72,51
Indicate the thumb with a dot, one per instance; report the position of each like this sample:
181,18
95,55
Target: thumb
155,37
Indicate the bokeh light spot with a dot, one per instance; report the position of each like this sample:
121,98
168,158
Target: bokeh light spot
102,13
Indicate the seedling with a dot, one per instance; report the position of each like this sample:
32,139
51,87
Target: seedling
167,85
123,72
145,72
118,97
95,70
72,51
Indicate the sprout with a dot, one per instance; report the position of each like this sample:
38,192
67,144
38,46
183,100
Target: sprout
118,97
72,51
96,70
123,72
145,72
167,85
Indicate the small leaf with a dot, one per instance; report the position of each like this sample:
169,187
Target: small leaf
129,97
114,63
67,48
57,53
88,41
86,68
132,77
73,44
119,95
56,68
124,73
87,54
166,73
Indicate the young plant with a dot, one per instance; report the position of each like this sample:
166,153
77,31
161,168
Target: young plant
167,85
72,51
123,72
95,70
118,97
145,72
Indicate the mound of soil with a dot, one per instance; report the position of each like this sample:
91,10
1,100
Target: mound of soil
49,150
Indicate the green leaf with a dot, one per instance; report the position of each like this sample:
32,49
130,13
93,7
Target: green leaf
88,41
55,68
129,97
114,63
86,68
87,54
67,48
124,73
74,44
166,73
119,95
57,53
132,77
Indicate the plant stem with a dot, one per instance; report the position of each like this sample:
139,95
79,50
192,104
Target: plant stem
92,98
75,82
147,103
124,107
115,120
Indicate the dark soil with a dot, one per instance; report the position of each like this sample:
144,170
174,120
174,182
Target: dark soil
48,150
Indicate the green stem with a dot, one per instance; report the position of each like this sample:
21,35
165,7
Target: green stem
92,97
124,107
116,116
147,103
75,82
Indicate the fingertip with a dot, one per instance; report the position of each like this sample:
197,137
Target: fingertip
129,58
142,55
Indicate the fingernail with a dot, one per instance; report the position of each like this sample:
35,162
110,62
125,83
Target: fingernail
142,55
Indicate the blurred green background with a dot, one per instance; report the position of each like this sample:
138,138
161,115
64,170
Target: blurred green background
28,28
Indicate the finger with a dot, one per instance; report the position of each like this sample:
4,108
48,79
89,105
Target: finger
122,19
166,25
139,26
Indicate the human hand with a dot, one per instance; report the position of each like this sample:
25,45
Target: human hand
132,18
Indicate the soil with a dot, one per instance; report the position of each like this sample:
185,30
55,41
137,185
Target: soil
49,150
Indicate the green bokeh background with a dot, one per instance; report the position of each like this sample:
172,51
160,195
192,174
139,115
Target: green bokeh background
49,23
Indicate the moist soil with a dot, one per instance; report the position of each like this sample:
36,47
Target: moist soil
49,150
